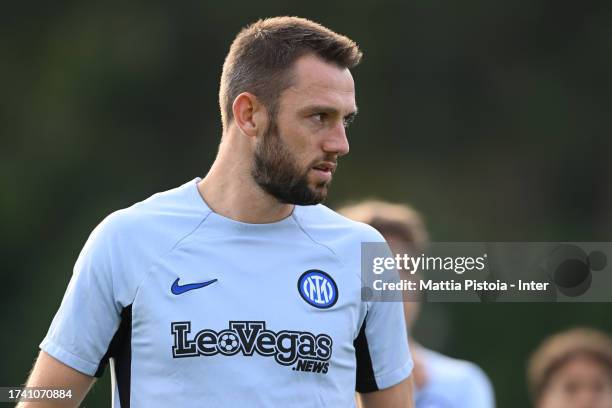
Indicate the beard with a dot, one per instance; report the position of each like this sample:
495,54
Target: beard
275,170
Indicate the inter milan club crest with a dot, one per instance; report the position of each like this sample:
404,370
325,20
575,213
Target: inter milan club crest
318,289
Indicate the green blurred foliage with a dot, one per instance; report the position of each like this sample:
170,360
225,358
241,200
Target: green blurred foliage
491,117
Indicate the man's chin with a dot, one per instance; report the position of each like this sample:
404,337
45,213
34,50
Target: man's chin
319,193
316,195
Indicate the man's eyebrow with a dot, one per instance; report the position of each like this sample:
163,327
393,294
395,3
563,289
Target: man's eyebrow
326,109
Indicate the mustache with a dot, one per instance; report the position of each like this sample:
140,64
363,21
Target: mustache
327,160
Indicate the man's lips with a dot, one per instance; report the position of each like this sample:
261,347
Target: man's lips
328,167
325,170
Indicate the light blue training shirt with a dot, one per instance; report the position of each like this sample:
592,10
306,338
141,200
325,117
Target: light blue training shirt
195,309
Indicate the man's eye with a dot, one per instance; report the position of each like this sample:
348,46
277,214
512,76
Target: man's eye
319,117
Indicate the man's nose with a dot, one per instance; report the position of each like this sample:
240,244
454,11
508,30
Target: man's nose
336,141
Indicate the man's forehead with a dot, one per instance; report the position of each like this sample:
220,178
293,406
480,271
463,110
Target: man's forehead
316,81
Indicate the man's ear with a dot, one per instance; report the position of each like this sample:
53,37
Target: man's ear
249,114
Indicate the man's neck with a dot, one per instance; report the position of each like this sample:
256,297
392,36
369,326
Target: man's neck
229,190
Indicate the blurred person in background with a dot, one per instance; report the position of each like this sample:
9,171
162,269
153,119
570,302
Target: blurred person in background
572,369
440,381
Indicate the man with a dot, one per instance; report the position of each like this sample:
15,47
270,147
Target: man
440,381
572,369
238,290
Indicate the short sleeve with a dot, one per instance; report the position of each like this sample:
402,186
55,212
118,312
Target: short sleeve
381,348
89,315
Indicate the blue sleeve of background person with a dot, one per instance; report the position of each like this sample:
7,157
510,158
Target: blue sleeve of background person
477,389
453,383
90,312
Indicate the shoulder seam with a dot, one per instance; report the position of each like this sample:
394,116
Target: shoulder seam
172,248
303,229
190,233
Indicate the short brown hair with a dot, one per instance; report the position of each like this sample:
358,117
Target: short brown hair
260,58
557,350
399,220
